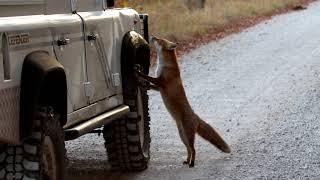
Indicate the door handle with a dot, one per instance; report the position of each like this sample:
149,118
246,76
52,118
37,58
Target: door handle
63,42
92,37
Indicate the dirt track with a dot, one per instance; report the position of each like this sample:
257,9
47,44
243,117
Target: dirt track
259,88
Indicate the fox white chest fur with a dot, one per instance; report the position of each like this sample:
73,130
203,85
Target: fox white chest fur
160,60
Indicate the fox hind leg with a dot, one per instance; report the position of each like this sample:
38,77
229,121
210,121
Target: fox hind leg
192,151
188,157
189,143
187,136
191,157
186,143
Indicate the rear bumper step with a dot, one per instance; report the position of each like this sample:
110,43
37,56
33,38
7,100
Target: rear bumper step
88,126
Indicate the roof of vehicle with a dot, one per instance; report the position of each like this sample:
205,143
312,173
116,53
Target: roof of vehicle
32,7
21,2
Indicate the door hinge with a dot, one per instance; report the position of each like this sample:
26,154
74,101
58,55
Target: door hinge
116,79
88,89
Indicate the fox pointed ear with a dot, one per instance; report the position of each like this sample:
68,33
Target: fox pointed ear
172,46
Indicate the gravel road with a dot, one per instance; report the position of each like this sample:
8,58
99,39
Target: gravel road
260,89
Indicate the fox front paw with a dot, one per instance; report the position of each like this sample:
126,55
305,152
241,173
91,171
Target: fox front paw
144,85
138,68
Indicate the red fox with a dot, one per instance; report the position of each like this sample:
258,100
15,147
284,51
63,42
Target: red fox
170,85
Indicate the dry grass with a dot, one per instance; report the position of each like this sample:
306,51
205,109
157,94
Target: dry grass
171,19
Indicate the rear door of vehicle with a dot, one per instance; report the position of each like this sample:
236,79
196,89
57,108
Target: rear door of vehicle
69,50
99,44
103,31
103,67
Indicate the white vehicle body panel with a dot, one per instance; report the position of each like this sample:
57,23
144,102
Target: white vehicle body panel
92,68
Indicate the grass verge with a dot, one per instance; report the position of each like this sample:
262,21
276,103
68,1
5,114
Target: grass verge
171,19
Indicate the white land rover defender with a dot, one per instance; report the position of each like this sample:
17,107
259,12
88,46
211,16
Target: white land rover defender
67,69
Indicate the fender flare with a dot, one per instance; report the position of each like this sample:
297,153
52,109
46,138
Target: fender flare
43,82
134,50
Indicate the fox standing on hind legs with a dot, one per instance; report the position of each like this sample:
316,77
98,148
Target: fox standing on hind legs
170,85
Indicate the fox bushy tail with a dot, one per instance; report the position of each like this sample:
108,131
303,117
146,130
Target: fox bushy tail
208,133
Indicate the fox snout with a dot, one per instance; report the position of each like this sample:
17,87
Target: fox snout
152,38
162,43
154,41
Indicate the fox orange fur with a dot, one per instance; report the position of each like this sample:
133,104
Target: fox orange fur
170,85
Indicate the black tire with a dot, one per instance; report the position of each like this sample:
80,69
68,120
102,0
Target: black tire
35,158
127,140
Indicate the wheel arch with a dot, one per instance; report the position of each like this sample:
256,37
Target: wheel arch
125,148
43,82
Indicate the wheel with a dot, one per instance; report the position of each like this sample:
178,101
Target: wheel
40,156
127,140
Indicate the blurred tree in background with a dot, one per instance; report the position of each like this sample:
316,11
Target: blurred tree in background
183,19
194,4
190,4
